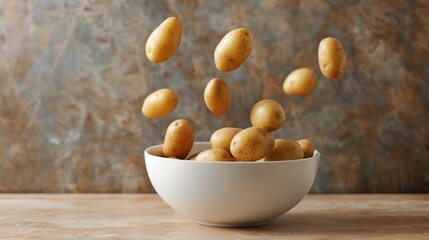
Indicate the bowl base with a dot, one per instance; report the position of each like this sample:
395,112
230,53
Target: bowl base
234,225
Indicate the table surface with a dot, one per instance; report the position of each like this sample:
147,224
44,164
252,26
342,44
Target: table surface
146,216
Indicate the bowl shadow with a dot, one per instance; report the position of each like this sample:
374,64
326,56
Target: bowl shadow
346,224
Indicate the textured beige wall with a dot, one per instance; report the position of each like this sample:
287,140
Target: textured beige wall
73,78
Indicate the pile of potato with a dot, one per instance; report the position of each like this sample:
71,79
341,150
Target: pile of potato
266,116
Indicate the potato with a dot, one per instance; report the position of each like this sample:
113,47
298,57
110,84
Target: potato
179,139
300,82
332,58
215,155
269,139
251,144
217,96
267,114
233,49
307,147
164,40
285,150
221,139
160,103
192,157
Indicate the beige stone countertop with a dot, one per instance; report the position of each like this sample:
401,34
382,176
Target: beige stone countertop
146,216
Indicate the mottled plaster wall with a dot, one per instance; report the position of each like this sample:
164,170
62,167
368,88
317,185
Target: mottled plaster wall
73,78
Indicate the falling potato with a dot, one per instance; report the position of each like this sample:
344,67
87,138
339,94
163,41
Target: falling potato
233,49
300,82
164,40
267,114
332,58
217,96
160,103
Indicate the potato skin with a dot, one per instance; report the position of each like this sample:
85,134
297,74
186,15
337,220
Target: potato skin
269,139
251,144
217,96
267,114
221,139
160,103
179,139
164,40
332,58
285,150
307,147
214,155
233,49
300,82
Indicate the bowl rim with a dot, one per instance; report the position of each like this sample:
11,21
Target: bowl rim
146,152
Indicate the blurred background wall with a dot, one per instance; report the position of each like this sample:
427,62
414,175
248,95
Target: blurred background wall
73,76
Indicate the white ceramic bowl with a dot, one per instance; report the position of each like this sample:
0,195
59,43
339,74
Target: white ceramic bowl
230,194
